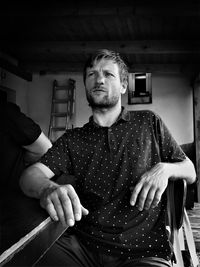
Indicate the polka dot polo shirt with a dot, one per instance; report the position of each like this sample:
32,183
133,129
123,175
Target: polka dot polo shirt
106,162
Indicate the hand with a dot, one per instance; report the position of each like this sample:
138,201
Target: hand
148,191
62,203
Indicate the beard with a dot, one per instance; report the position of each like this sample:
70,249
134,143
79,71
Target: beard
104,102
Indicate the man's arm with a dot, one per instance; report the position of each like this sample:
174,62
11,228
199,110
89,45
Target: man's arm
148,191
60,201
35,179
37,149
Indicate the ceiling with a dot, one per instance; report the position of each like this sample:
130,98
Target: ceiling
49,37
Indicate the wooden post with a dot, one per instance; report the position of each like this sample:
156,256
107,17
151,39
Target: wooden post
196,99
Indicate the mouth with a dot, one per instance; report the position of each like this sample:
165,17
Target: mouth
99,89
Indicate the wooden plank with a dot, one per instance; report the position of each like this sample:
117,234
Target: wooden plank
196,95
68,66
30,248
88,8
194,217
124,47
26,230
7,255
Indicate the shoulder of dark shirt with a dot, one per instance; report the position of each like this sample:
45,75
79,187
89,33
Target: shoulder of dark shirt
144,113
9,107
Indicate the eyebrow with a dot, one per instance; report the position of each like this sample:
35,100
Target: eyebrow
103,69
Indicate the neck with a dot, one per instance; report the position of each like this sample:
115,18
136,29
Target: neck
106,117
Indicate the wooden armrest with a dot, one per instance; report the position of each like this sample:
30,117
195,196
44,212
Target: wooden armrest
27,231
177,192
30,248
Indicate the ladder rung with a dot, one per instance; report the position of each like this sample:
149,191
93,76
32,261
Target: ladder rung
64,111
58,128
60,114
60,100
61,87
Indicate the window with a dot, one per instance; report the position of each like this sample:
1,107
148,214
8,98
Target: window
139,88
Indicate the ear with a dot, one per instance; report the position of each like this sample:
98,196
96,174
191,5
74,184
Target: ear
124,86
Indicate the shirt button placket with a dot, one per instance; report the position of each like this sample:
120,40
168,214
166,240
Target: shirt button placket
111,141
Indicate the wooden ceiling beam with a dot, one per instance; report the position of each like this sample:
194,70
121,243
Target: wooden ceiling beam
60,67
31,49
89,8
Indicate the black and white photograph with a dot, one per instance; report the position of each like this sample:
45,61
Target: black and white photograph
100,133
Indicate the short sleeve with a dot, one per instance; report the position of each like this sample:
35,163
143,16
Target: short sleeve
57,158
169,149
22,129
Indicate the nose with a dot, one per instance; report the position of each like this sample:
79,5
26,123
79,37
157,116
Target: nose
100,78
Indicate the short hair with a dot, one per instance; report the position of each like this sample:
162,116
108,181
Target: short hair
109,55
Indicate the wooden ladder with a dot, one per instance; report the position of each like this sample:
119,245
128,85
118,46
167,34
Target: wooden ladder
62,109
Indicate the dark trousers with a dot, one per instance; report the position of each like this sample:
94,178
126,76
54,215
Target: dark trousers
70,252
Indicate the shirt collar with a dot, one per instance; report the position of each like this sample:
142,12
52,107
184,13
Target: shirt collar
124,115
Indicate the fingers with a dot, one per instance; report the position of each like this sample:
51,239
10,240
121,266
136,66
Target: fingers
145,196
84,211
149,199
51,211
78,209
63,204
156,199
70,204
65,209
148,191
57,205
135,193
141,194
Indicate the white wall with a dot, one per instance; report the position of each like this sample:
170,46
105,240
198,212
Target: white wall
40,97
172,100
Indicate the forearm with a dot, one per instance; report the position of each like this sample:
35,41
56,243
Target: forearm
33,181
182,170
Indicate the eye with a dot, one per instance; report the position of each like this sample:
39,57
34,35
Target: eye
90,74
108,74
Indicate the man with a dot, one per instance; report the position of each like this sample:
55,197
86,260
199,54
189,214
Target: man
121,162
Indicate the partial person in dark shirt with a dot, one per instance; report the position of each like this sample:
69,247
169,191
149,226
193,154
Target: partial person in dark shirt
121,162
22,144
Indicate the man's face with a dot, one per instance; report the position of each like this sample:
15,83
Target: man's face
103,85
